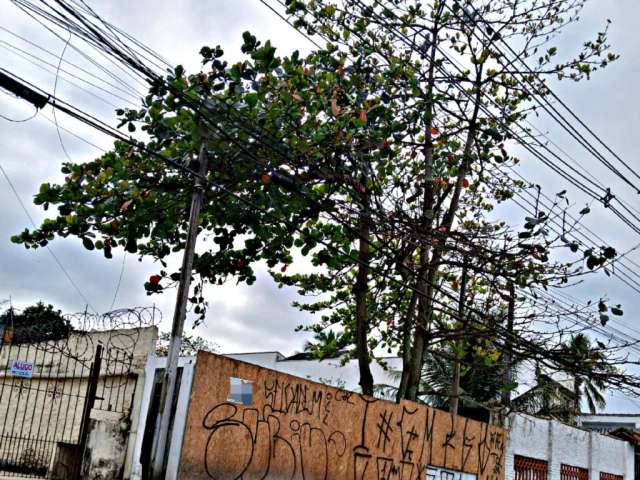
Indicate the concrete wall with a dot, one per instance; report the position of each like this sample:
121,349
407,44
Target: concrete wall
104,456
330,372
559,444
250,422
46,409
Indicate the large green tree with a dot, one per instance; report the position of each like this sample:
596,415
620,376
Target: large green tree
36,323
375,156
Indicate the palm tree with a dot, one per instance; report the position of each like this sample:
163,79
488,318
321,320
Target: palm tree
588,386
554,398
547,398
481,381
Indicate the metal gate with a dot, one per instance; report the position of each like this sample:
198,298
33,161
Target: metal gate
47,391
530,468
569,472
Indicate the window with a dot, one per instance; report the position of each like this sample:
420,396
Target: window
610,476
240,391
568,472
531,469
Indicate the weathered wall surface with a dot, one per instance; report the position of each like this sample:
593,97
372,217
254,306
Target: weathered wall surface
291,428
559,444
39,412
104,456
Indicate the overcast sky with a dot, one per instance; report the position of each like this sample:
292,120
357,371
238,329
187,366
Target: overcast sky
259,317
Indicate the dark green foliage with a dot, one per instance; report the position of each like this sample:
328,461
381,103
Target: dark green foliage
37,323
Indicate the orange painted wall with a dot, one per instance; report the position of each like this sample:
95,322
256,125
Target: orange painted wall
297,429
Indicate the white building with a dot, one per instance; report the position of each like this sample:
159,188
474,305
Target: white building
539,449
330,371
608,422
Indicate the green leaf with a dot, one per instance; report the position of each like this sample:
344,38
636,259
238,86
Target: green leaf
251,99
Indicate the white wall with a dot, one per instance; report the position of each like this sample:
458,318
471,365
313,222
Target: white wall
175,443
528,436
262,359
326,371
610,421
559,443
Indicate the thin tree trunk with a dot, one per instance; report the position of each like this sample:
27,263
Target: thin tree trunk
361,289
454,400
507,358
406,346
431,265
412,362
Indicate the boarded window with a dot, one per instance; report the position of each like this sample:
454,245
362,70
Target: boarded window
610,476
569,472
530,468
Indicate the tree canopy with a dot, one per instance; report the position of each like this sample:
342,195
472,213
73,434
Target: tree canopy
380,157
36,323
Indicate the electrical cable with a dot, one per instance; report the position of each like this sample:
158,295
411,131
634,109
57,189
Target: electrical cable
115,294
55,89
102,127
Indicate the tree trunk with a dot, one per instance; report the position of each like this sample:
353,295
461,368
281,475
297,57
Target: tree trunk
412,361
507,359
406,346
430,266
361,289
454,400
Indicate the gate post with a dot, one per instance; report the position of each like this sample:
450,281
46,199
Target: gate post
90,401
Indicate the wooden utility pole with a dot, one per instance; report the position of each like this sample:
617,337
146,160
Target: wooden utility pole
170,375
454,399
507,359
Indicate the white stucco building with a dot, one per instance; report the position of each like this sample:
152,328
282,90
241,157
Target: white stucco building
565,452
329,371
608,422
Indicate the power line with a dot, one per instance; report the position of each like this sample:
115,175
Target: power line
22,120
53,73
76,113
125,90
540,99
55,90
591,325
115,293
603,199
535,153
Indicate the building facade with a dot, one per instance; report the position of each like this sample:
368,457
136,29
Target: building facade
541,449
609,422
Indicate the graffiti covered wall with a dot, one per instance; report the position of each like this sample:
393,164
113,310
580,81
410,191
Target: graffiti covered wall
250,423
